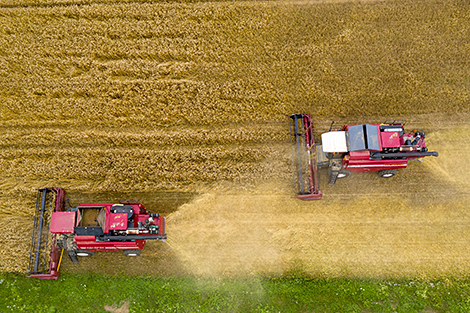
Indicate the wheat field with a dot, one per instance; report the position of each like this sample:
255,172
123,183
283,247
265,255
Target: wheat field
187,101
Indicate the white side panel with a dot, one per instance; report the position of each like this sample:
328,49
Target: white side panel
334,141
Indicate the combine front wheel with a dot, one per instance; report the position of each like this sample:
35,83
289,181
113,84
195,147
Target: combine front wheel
387,173
334,174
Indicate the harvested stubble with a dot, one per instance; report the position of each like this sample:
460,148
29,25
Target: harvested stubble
361,236
413,225
185,95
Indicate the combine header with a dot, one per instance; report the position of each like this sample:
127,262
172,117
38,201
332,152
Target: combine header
304,157
44,252
381,148
85,229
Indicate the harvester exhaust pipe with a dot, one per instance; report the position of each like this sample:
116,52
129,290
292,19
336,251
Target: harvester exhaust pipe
331,126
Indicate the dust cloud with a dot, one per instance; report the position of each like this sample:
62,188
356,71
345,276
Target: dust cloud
244,234
226,234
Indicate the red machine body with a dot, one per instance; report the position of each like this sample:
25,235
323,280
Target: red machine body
382,148
87,228
389,140
109,226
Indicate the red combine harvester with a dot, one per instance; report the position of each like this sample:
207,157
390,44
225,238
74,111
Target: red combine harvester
87,228
382,148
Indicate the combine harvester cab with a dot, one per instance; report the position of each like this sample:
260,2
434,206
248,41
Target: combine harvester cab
87,228
381,148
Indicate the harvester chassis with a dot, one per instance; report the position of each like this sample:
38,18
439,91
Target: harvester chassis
85,229
381,148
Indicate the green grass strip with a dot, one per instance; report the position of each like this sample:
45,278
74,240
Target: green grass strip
91,292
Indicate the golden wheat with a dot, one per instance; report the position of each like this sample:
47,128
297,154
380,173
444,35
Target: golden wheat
119,96
180,63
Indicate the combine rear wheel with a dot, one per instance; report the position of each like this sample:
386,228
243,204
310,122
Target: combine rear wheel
132,252
387,173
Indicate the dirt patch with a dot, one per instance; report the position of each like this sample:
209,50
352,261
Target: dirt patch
124,308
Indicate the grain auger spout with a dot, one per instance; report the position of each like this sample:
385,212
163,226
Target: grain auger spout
304,157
